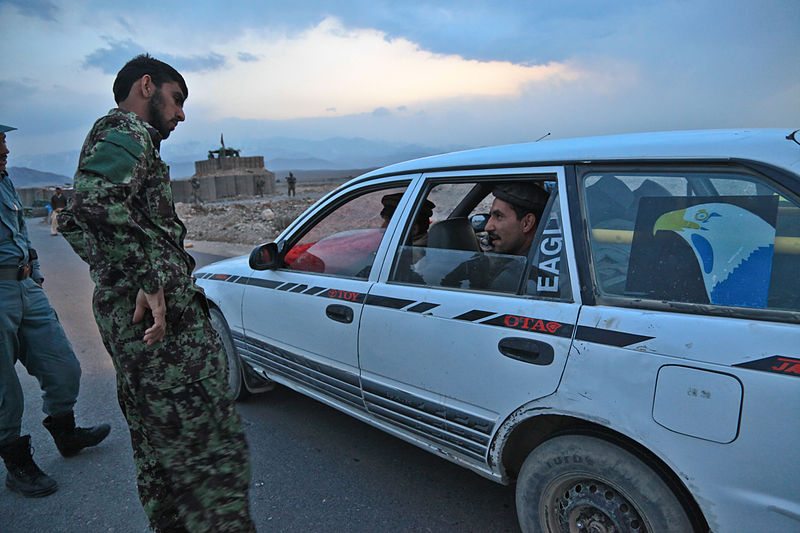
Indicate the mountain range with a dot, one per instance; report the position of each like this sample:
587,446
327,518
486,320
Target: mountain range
281,155
24,178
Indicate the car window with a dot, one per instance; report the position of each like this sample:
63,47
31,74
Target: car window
707,238
460,250
344,242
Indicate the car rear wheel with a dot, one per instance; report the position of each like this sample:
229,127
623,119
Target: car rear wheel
235,376
586,484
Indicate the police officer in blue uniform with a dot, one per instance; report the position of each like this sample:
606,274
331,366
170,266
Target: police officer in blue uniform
31,333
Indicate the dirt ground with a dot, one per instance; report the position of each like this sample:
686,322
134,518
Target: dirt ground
248,221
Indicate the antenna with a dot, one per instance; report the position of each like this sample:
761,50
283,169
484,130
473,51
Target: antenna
542,137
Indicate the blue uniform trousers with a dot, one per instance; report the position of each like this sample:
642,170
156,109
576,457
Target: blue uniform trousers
31,333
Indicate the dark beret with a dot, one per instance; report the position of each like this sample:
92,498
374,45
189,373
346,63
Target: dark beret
390,202
522,194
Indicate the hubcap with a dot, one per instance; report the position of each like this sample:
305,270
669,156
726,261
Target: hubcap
589,506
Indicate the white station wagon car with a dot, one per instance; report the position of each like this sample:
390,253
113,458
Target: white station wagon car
635,368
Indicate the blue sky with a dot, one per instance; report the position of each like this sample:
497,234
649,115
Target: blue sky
441,74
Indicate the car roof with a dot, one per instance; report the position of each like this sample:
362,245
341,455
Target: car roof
771,146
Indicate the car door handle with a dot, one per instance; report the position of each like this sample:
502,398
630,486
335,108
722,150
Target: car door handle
526,350
339,313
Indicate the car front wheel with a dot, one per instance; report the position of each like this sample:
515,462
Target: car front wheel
579,483
235,377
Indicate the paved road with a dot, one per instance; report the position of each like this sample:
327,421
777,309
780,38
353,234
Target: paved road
314,469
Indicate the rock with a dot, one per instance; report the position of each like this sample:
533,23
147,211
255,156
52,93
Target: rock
247,221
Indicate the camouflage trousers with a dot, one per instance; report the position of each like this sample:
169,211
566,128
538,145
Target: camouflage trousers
191,457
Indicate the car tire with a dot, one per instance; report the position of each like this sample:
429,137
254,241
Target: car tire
235,376
582,483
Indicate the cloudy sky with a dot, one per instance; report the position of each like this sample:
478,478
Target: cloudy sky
446,73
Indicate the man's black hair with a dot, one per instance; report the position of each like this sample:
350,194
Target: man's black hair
143,64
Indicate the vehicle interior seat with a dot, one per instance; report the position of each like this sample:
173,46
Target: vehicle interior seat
453,234
611,205
649,188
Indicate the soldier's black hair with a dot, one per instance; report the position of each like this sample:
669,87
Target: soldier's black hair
143,64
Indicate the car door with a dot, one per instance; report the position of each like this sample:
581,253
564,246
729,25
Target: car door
301,320
696,307
449,360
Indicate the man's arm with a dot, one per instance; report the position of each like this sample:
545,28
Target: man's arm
108,186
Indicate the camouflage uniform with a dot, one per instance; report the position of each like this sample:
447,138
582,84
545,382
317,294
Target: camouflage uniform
189,448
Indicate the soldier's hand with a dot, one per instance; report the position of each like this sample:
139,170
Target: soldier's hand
158,309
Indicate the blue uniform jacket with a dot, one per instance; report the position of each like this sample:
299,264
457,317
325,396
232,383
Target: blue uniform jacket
14,242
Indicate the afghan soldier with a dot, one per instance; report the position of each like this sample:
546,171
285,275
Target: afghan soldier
291,181
57,202
190,453
195,190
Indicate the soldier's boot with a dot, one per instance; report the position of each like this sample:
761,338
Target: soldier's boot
71,439
24,476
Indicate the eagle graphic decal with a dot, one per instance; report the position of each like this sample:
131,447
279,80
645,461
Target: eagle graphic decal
733,247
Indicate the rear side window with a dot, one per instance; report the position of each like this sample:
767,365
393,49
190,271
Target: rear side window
712,238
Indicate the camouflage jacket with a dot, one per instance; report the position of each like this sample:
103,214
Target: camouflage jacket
122,221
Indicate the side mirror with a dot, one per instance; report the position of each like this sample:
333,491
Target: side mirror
265,257
479,222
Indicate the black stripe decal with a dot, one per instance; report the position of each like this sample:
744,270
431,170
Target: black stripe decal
422,307
516,322
609,337
265,283
778,364
386,301
314,290
472,316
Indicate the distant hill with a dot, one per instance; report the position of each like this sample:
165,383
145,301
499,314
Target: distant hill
281,154
24,177
309,163
317,175
183,169
322,174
